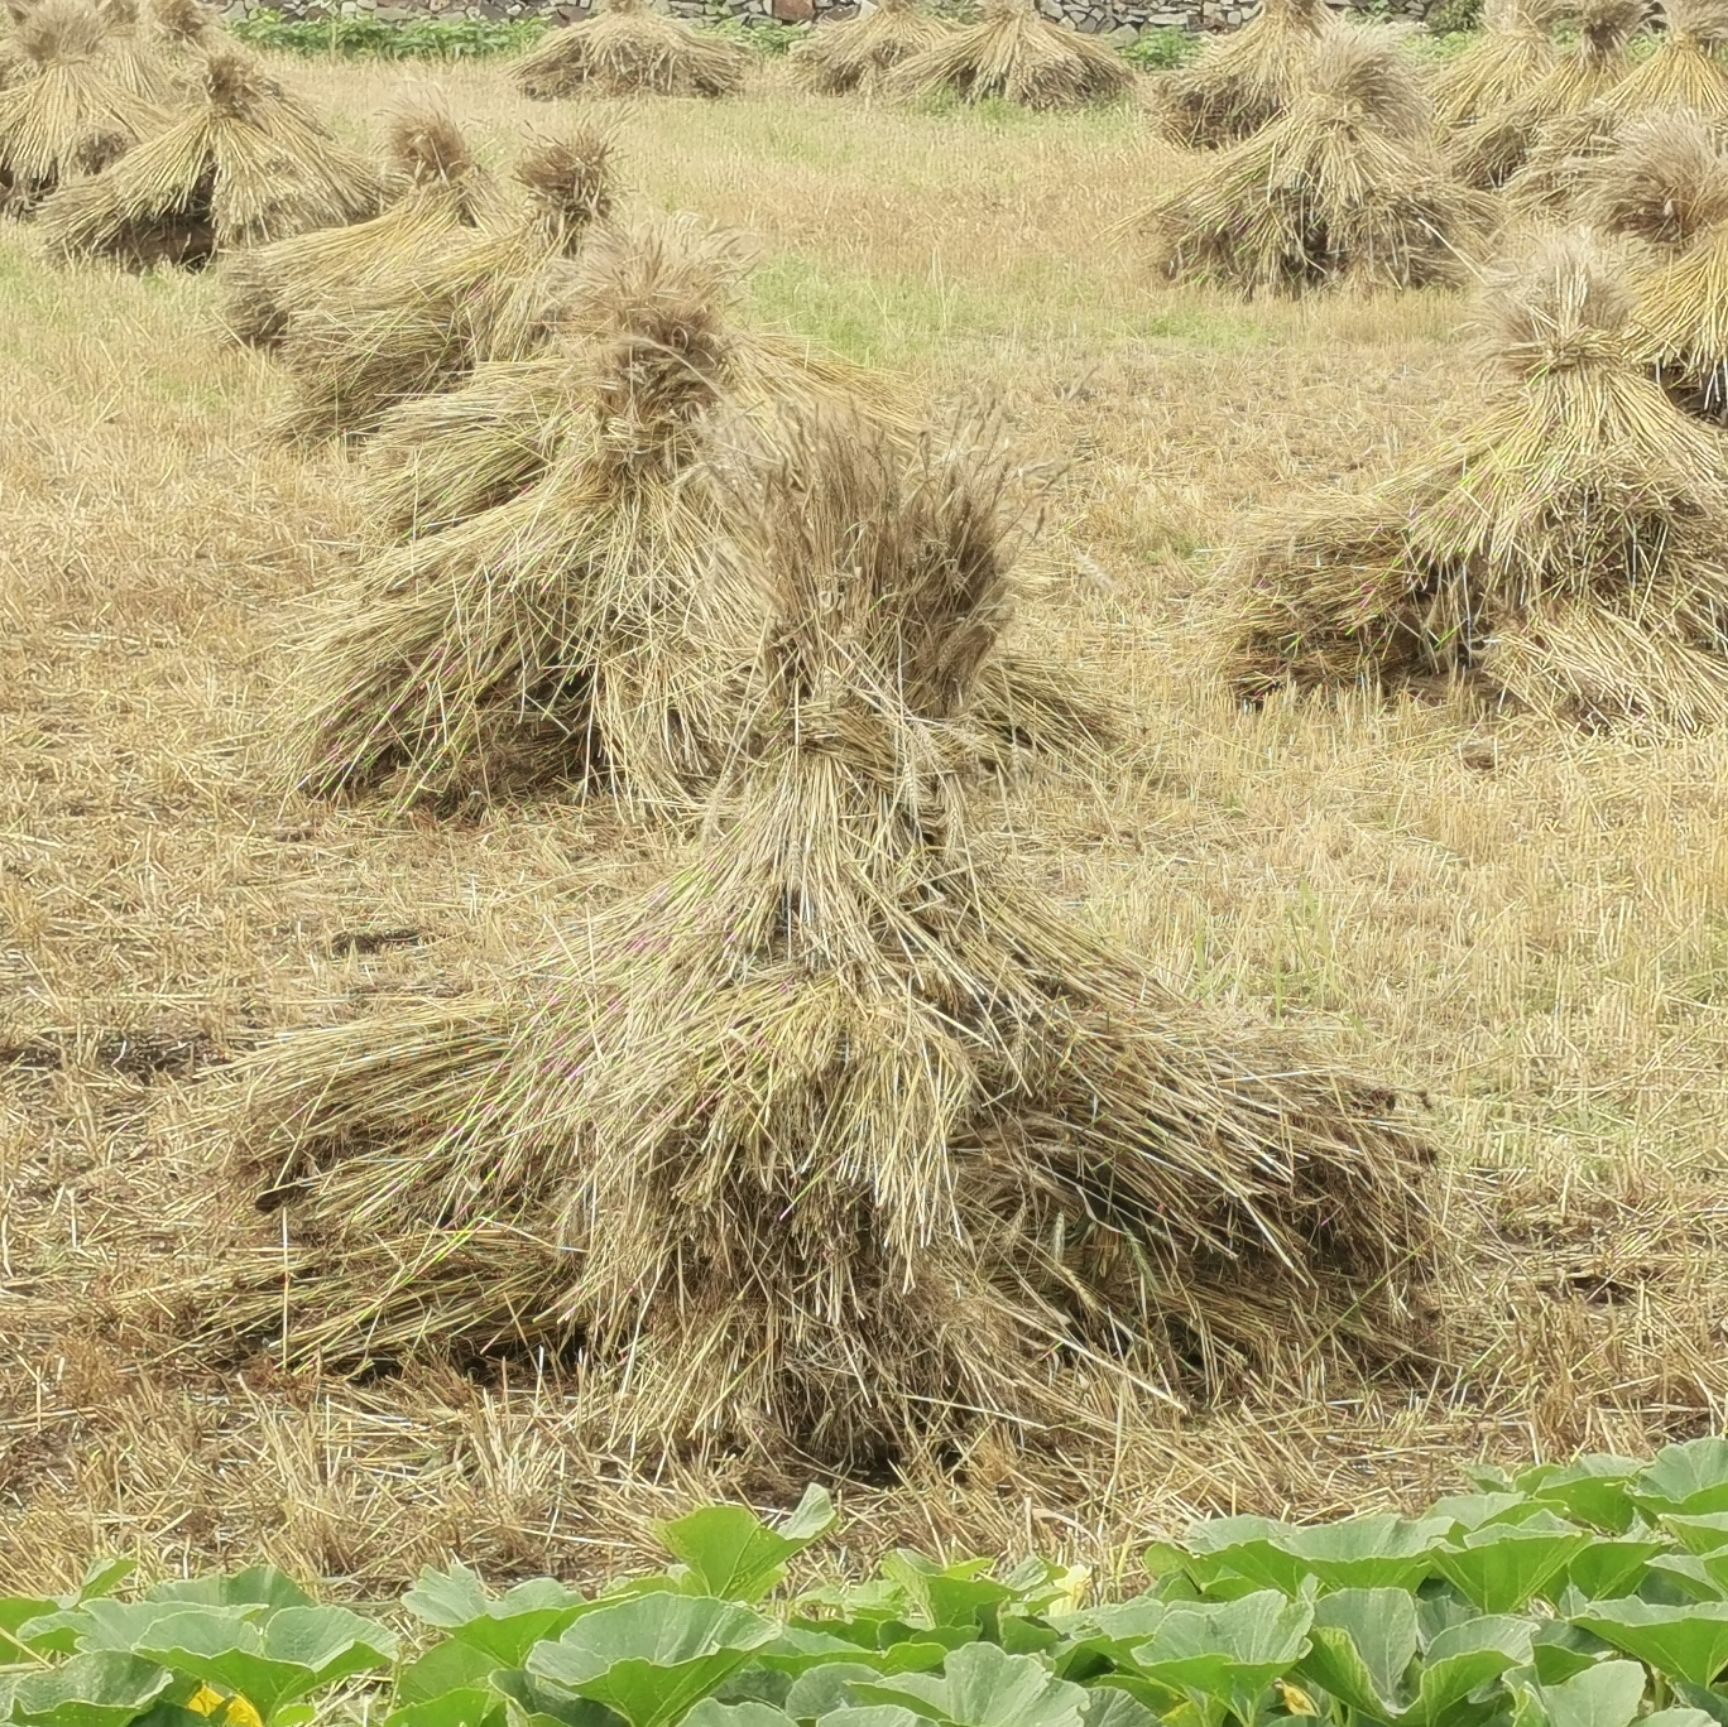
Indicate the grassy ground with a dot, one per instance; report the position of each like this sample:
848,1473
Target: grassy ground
1530,927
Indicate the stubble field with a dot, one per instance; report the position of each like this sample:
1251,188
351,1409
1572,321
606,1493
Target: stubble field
1526,926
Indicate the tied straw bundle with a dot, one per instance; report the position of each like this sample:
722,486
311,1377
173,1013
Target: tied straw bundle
245,165
1015,54
437,189
1512,52
860,53
628,49
488,295
1565,551
63,114
1344,187
1241,81
839,1139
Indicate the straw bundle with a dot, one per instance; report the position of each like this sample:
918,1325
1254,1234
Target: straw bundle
182,28
1687,69
1581,511
575,628
1241,81
492,295
1490,152
859,54
1510,55
439,190
1663,183
1669,183
63,115
1016,54
628,49
839,1136
246,165
1344,187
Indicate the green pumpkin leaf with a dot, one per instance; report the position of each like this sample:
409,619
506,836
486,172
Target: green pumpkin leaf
506,1626
733,1554
1361,1647
709,1713
652,1659
104,1689
1691,1479
1609,1694
1227,1652
448,1666
1503,1567
983,1686
1688,1642
1593,1489
465,1706
1610,1566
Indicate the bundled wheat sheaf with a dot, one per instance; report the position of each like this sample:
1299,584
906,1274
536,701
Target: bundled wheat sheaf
245,165
1015,54
1667,184
572,626
63,113
546,591
1497,146
840,1135
627,49
1241,81
1512,52
489,295
1565,550
437,191
860,53
1344,187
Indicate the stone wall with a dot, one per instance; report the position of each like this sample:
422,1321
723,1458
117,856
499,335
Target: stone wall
1121,20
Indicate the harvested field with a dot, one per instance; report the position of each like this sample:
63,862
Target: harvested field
1522,926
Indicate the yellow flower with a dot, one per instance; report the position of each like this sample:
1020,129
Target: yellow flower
1296,1700
234,1711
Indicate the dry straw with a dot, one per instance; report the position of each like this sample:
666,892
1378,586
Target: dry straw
247,164
859,54
64,115
1500,65
574,628
629,49
1241,81
1563,550
546,594
1668,184
839,1136
1015,54
438,190
1490,152
1686,69
492,295
1344,187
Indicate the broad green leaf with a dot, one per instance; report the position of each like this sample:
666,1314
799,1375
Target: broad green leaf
1465,1657
1610,1565
733,1554
1681,1642
1558,1649
1228,1652
960,1594
798,1648
870,1715
296,1651
1377,1552
1679,1577
104,1576
1678,1717
106,1689
1700,1535
1476,1510
1205,1554
1108,1707
448,1666
1114,1629
1691,1479
263,1587
466,1706
1593,1489
528,1703
1501,1568
651,1659
823,1690
1361,1647
1606,1695
983,1686
506,1627
708,1713
123,1626
1704,1700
